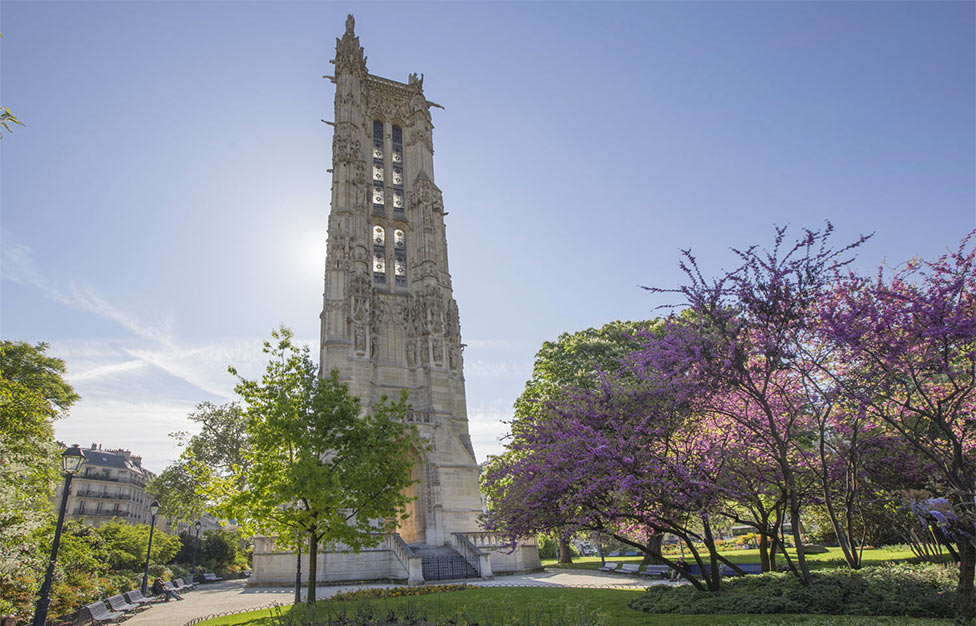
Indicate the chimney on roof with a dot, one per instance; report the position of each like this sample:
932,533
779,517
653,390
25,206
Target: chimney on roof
94,446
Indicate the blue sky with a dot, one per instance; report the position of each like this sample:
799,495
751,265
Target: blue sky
165,205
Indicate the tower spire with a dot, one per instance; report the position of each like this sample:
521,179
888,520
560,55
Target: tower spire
349,54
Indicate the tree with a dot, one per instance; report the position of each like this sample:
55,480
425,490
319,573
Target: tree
33,394
316,462
742,342
909,340
629,461
575,361
7,118
215,450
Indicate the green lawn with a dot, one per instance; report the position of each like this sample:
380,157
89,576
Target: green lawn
577,607
871,557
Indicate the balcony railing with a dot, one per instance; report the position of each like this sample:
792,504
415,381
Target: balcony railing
102,494
120,514
111,479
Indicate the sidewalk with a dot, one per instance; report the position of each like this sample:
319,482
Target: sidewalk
233,595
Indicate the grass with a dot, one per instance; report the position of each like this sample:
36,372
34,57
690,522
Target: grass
832,557
492,605
543,603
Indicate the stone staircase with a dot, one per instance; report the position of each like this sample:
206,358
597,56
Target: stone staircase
443,563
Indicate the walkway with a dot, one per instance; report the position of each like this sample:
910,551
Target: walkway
233,595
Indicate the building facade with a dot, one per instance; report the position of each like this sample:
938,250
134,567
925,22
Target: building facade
389,321
111,485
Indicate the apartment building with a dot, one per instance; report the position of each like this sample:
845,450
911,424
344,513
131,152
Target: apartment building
111,485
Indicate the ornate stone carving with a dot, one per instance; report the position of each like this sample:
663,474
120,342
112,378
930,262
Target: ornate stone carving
349,54
346,149
360,342
453,359
453,319
411,353
437,344
359,294
418,135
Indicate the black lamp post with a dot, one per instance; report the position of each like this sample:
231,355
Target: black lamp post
71,462
153,508
195,544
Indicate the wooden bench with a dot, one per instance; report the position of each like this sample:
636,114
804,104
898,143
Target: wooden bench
610,567
629,568
748,568
181,586
210,577
657,571
120,604
98,613
136,597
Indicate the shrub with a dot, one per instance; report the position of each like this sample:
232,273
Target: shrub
893,589
396,592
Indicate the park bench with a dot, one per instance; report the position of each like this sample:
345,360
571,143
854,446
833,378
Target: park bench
181,586
629,568
631,553
748,568
98,613
136,597
614,554
120,604
210,577
658,571
610,567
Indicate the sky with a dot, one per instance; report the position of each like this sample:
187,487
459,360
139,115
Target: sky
164,207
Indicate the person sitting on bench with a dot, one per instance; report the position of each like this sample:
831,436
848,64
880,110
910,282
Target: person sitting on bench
159,588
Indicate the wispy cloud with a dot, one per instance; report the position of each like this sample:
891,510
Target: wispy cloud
498,369
17,265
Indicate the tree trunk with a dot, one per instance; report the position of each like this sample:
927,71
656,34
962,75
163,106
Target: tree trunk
313,554
801,559
764,552
965,598
712,576
653,553
565,552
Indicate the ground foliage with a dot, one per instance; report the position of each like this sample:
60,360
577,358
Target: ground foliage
892,589
785,385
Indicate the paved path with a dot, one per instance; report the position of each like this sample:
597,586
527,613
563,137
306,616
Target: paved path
234,595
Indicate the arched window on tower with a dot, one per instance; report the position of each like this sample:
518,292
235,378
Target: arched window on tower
379,255
397,169
400,258
379,196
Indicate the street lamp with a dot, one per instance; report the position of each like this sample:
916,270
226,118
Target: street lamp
72,461
195,544
153,508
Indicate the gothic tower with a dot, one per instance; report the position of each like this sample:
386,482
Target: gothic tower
389,319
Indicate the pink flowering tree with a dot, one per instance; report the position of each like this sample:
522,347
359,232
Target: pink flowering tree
622,460
740,340
909,337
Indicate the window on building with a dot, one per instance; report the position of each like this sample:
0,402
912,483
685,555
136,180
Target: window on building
397,145
400,258
379,254
379,269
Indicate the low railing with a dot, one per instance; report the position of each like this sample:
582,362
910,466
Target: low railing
475,557
407,557
487,540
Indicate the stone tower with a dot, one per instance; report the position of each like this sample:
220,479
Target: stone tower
389,319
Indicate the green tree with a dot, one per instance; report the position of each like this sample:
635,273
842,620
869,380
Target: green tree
7,118
574,361
218,447
316,462
33,394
